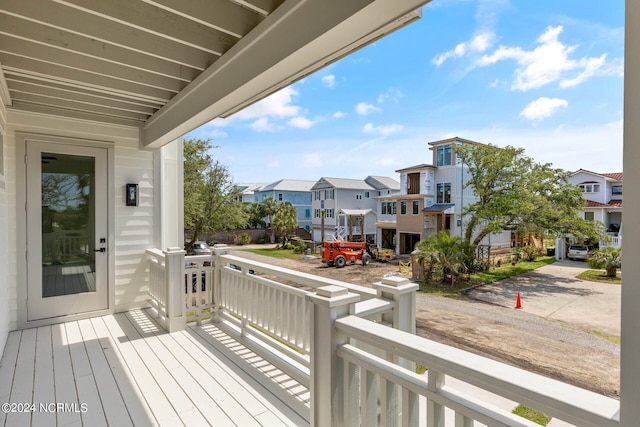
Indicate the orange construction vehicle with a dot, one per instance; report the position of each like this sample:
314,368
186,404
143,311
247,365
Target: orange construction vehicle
341,252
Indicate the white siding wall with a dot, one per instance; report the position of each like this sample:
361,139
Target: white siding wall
5,289
134,226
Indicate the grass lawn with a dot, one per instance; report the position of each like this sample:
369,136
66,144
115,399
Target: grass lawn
600,276
508,270
275,253
532,415
484,277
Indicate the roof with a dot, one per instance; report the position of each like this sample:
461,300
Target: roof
438,207
455,139
289,185
420,166
171,66
382,182
611,204
248,188
342,183
356,212
616,176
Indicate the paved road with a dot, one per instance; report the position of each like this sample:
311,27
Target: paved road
554,293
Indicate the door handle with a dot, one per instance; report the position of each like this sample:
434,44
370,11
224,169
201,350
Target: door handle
100,250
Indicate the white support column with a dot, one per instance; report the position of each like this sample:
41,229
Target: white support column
176,313
630,340
327,394
218,251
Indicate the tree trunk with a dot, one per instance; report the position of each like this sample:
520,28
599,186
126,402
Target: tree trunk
611,271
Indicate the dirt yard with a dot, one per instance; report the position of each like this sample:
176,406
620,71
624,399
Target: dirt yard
554,349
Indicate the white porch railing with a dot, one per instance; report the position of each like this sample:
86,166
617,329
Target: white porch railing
333,338
615,241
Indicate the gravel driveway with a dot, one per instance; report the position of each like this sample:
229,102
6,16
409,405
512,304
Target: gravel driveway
554,293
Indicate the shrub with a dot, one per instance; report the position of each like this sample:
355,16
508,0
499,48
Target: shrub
530,253
299,245
243,239
264,238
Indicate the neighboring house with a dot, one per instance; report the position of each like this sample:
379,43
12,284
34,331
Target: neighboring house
431,199
248,192
345,202
296,191
603,195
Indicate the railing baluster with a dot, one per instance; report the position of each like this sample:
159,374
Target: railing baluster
435,411
368,398
462,421
410,415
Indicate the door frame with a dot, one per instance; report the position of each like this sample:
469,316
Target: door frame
21,139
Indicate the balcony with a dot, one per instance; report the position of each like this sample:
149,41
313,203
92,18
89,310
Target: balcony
254,344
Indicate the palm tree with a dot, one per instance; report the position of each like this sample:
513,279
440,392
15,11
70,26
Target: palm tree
609,258
444,252
285,220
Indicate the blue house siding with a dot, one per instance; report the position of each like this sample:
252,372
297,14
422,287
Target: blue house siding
300,199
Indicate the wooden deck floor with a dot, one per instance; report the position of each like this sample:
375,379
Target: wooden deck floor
122,370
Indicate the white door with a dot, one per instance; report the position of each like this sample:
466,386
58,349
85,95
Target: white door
67,230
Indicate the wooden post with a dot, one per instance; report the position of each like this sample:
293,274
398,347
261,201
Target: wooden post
174,285
350,220
322,214
362,235
327,393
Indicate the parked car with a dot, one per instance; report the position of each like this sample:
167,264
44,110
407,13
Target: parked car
578,252
199,248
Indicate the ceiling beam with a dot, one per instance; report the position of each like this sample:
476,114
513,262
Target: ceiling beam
20,88
74,114
49,36
222,15
265,7
39,52
86,25
156,21
296,39
24,66
43,82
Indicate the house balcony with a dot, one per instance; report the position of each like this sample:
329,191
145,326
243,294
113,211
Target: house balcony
228,341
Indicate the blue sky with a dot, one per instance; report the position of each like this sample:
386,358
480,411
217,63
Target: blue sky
543,75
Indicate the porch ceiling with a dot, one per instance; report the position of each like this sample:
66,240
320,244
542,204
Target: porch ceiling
169,66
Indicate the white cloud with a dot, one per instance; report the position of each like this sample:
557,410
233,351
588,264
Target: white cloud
547,63
312,160
262,125
300,122
382,130
279,104
338,115
363,108
329,80
542,108
478,44
390,95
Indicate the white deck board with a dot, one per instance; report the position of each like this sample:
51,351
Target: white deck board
130,373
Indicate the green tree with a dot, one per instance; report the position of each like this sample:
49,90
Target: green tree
516,193
443,253
255,212
609,258
209,193
269,206
285,220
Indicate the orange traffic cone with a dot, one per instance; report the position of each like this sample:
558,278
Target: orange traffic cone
518,304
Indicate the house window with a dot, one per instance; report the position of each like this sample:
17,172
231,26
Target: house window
590,188
413,183
316,213
328,194
443,155
443,192
393,208
307,213
588,216
383,209
367,195
616,189
358,196
415,206
403,207
279,197
316,195
329,213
